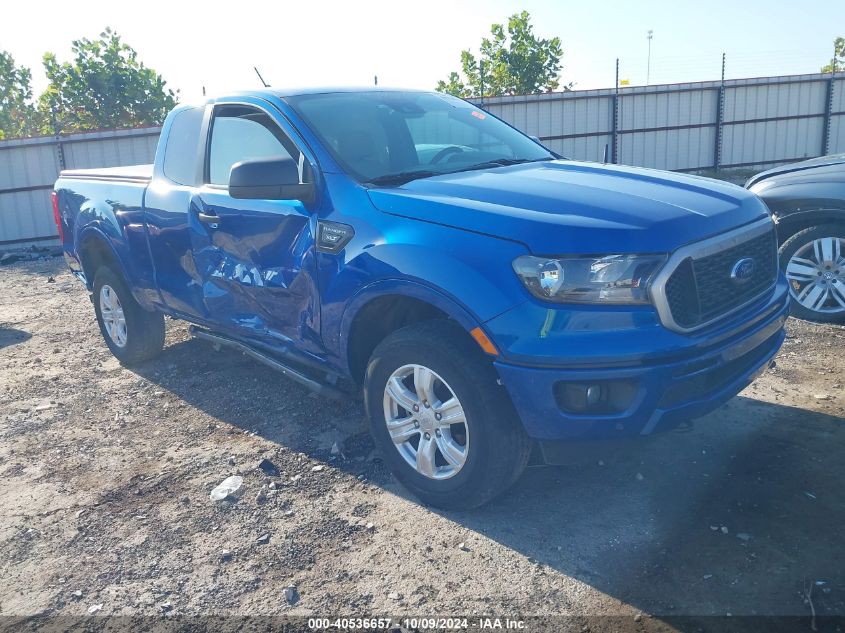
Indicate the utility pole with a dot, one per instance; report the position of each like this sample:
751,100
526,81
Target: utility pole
649,35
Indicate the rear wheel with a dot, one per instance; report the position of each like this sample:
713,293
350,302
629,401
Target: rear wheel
132,334
814,263
445,427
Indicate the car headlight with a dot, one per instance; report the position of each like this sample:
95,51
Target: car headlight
606,279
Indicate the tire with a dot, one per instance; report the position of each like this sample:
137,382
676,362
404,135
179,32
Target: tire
489,435
142,335
814,263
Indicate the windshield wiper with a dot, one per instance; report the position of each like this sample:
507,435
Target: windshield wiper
400,178
502,162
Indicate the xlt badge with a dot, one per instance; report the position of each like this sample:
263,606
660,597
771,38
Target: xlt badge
332,236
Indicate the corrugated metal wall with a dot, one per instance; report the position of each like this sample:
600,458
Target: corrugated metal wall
29,167
741,123
774,121
748,123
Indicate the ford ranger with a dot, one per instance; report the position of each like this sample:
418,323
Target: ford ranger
488,298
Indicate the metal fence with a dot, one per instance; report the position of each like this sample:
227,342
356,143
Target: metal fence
738,123
30,166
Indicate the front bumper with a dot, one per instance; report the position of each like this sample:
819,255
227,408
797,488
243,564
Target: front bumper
673,377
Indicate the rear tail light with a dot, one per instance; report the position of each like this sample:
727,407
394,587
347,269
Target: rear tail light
57,216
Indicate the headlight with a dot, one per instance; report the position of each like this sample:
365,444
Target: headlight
607,279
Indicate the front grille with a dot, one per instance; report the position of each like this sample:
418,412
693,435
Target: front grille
682,295
701,288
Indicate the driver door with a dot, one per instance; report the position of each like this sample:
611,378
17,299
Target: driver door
255,258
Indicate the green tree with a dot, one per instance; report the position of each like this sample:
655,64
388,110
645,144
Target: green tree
837,62
17,114
105,86
455,86
512,61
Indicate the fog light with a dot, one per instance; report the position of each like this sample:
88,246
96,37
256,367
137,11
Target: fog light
606,397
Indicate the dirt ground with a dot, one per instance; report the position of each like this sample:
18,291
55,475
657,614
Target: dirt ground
105,474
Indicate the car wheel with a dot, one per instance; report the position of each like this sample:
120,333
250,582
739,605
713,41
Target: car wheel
132,334
814,262
445,427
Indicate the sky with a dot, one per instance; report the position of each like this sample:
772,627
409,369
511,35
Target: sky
413,44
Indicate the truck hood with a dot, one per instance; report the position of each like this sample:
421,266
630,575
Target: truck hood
567,207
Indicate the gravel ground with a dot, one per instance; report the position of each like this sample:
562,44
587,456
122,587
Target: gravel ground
105,474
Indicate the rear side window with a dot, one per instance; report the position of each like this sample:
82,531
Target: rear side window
181,153
241,133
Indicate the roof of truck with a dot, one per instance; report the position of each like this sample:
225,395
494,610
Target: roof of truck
295,92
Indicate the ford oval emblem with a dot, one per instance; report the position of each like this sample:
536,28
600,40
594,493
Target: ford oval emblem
743,270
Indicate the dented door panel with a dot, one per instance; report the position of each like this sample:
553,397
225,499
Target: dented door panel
166,215
256,265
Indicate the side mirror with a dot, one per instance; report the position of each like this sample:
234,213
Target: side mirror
274,178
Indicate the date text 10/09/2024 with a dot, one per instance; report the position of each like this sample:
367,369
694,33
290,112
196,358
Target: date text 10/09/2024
424,623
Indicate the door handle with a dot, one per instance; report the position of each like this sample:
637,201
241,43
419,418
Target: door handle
208,218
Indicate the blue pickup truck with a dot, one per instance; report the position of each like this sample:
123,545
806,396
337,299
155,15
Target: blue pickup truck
489,298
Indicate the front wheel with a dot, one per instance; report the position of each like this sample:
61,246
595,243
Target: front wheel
445,427
814,263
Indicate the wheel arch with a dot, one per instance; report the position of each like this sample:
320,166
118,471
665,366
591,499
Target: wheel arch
383,307
790,222
94,250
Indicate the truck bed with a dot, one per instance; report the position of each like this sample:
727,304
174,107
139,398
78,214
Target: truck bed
130,173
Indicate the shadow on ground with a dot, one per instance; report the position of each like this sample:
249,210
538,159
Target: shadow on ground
12,336
739,516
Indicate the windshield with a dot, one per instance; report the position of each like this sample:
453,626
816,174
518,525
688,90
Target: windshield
389,137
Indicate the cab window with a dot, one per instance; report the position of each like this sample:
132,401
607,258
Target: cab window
241,133
182,152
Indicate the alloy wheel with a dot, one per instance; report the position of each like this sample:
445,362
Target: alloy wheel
113,317
426,422
816,275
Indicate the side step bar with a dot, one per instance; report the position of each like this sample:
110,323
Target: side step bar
318,387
